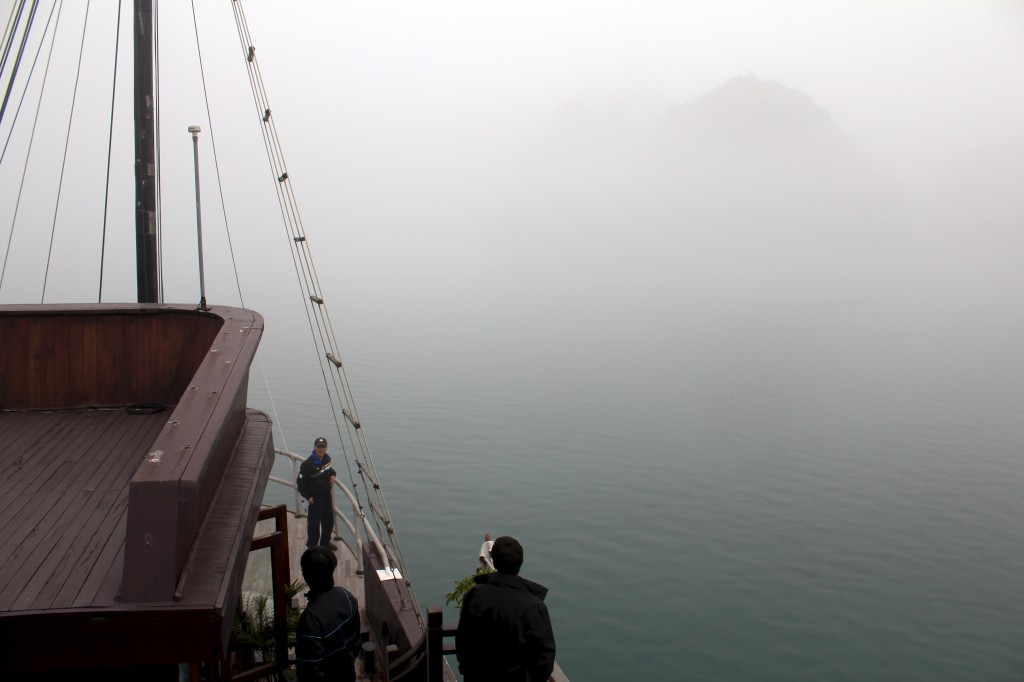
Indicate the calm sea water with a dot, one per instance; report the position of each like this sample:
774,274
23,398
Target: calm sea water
762,491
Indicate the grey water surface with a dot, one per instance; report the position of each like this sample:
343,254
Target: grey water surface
820,489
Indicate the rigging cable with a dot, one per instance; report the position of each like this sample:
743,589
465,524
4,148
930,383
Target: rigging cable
293,224
21,51
32,137
316,309
224,213
67,143
290,218
24,92
13,19
216,161
110,144
9,32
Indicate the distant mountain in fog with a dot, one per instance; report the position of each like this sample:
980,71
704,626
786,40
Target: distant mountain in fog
761,165
749,191
747,110
764,134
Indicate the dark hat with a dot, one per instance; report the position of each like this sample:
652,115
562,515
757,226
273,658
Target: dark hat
320,441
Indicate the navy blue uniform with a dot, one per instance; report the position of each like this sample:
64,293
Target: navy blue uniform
315,482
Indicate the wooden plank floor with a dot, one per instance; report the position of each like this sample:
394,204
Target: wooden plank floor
63,495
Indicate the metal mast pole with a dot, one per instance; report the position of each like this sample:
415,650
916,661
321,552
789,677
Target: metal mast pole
195,130
146,261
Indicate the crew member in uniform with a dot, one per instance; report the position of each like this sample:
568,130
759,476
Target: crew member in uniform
316,479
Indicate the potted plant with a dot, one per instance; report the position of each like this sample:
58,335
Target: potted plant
252,633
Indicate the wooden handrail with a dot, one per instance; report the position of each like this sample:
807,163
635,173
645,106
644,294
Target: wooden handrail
277,542
435,644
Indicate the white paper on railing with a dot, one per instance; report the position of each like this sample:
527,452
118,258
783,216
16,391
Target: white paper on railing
388,574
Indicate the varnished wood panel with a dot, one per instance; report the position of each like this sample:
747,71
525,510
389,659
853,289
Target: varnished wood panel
100,356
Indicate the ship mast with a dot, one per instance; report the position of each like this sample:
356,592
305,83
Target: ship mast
147,263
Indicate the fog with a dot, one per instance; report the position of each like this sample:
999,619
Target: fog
583,254
492,171
607,155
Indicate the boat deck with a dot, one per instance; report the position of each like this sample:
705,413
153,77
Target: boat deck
64,480
64,512
257,572
258,577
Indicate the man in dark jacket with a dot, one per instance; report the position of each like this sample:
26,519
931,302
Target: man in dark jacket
316,478
504,632
327,637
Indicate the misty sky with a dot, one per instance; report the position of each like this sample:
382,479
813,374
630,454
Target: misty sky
425,140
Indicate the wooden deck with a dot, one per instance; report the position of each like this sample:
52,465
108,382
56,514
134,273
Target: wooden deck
64,490
124,527
64,505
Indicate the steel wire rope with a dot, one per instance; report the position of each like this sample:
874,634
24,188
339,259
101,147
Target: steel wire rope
289,232
347,397
344,392
288,218
67,144
385,511
342,388
304,256
275,157
31,142
328,341
303,261
275,150
17,60
224,213
13,19
110,145
293,220
8,31
216,159
28,80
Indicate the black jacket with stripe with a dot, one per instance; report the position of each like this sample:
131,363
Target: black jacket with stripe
327,637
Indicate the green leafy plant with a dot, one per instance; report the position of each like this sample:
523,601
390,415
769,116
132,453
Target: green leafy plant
462,586
254,625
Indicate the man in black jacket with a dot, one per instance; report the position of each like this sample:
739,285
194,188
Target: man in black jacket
327,637
504,632
316,478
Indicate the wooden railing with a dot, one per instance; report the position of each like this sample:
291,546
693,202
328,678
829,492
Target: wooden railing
437,648
277,542
175,486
